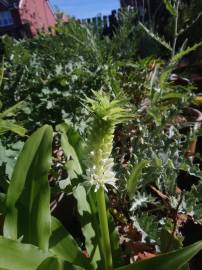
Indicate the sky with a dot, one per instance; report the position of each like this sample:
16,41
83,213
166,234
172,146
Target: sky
86,8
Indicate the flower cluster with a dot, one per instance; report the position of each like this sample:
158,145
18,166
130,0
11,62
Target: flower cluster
100,173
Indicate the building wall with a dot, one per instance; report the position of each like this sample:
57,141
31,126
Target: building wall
16,21
38,14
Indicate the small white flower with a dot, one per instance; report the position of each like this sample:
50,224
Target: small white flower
101,176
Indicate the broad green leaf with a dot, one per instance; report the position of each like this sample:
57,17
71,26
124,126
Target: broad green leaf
169,7
135,176
173,260
64,246
17,256
28,196
54,263
89,221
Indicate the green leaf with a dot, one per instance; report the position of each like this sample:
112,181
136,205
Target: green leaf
172,95
89,220
181,54
18,256
71,142
172,260
135,176
6,125
53,263
64,246
169,7
12,110
28,196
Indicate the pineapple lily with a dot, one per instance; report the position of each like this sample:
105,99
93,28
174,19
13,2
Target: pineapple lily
106,114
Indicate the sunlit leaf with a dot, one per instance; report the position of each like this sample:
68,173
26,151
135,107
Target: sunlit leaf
28,197
18,256
89,220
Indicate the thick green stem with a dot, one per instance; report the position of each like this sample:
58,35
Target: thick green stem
106,246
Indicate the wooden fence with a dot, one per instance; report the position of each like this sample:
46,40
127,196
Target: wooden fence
106,23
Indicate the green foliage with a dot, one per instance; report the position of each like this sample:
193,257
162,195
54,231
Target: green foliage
6,125
56,79
28,195
34,258
27,257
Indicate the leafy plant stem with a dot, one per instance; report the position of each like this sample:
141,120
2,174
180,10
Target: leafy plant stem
106,246
176,28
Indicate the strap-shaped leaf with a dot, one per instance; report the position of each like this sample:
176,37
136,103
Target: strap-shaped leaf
63,245
28,196
173,260
17,256
54,263
89,220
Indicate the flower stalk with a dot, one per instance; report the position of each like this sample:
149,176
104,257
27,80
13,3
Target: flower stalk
102,212
106,114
